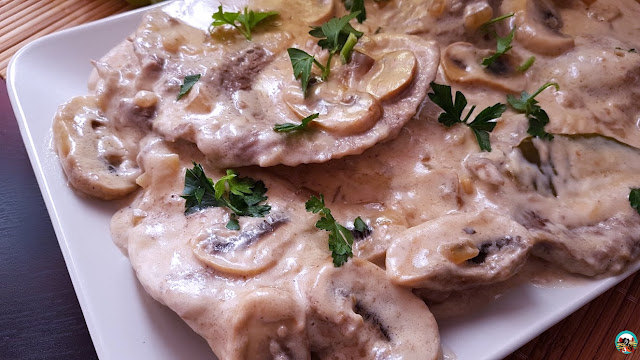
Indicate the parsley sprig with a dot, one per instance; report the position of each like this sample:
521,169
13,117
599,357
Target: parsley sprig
528,105
634,199
356,5
336,36
289,127
340,238
242,195
503,44
187,84
244,21
481,125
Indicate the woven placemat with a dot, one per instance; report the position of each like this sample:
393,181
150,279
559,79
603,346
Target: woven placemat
22,21
589,333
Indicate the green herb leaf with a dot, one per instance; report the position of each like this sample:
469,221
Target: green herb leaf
347,49
356,5
247,20
360,225
634,199
334,33
482,124
503,45
198,190
632,50
241,195
187,84
233,223
340,238
527,64
528,105
495,20
302,64
289,127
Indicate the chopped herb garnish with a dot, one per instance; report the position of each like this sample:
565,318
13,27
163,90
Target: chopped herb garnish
335,36
233,223
241,195
632,50
503,45
360,226
187,84
528,105
347,49
483,123
289,127
527,64
495,20
243,22
340,238
634,199
356,5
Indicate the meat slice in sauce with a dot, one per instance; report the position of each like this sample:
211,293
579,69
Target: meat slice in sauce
298,306
458,251
357,313
246,88
597,93
578,209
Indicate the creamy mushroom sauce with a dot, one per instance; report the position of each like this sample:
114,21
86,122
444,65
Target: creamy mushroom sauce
446,218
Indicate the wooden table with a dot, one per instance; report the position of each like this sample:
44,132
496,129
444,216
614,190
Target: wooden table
39,314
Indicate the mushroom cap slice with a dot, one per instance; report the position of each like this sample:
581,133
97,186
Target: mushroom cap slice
461,63
359,314
538,26
94,158
458,251
268,324
244,252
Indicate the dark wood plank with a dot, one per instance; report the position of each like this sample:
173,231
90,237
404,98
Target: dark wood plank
39,313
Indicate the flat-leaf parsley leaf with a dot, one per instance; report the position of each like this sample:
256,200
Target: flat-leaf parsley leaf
242,195
528,105
356,5
289,127
340,238
483,123
243,22
503,45
187,84
634,199
335,36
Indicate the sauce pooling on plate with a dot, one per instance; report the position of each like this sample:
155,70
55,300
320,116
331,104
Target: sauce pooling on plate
453,143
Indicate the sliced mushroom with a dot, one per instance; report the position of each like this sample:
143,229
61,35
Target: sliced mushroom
458,251
538,24
391,74
382,68
269,324
244,252
93,157
342,111
314,12
358,314
476,14
461,62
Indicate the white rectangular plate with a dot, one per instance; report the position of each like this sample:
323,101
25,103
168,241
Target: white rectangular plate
126,323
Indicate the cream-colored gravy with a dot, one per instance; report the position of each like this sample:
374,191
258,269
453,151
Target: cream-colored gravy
446,218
